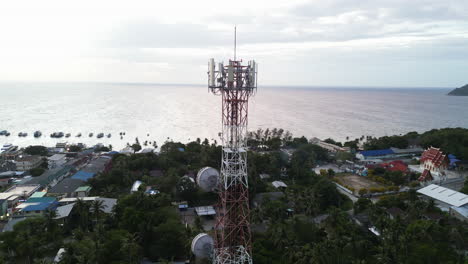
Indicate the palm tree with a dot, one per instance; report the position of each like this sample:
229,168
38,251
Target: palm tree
82,209
131,248
50,224
97,208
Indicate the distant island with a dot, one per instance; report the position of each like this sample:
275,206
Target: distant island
462,91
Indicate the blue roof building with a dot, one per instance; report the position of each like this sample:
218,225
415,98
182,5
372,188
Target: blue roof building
83,175
375,154
37,206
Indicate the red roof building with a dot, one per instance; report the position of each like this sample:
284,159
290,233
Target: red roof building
396,165
434,159
426,176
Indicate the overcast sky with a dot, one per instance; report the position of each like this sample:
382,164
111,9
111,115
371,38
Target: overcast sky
407,43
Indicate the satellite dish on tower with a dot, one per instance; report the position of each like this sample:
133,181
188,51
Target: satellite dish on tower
202,245
207,179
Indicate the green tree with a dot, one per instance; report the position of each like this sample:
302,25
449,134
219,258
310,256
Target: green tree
136,147
36,150
36,171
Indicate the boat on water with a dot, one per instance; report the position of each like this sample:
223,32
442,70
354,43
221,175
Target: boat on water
56,135
78,135
109,135
37,134
100,135
6,146
67,135
91,134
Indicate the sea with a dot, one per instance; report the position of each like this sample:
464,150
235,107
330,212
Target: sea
157,113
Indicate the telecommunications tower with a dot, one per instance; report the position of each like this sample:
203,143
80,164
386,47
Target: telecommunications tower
235,83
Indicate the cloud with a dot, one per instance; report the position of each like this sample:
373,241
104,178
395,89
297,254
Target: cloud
296,41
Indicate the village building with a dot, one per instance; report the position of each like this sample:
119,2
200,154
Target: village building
433,164
396,165
26,163
82,191
456,203
66,188
328,146
56,160
36,207
51,177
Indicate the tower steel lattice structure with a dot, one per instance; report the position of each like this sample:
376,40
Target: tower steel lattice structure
235,83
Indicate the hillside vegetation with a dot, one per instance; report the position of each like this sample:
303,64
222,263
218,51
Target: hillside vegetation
450,140
462,91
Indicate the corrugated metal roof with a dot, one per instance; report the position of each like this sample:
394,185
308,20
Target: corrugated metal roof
205,210
83,175
445,195
64,211
83,189
38,194
40,200
376,153
278,184
461,210
39,206
68,185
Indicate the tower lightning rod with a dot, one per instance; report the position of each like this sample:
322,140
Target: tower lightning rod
235,41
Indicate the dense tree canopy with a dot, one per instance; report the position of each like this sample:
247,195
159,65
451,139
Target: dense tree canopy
36,150
450,140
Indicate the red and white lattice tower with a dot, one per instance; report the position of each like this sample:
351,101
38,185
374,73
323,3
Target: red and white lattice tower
235,83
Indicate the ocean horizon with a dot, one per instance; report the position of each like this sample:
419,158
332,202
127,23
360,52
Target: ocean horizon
184,112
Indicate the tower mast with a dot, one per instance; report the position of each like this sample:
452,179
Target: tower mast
235,83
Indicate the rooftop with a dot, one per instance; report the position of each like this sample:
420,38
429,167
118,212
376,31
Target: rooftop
83,175
38,194
407,150
205,210
68,185
56,157
435,155
23,189
64,211
377,152
463,210
445,195
278,184
108,203
41,200
50,175
28,159
83,189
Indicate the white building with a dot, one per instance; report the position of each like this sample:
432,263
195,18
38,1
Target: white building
26,163
328,146
56,160
448,200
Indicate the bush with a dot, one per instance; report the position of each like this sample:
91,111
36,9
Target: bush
37,171
363,191
414,184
